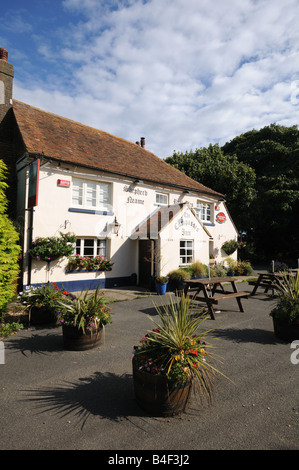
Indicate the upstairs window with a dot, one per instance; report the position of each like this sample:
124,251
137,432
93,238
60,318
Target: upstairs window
161,199
204,211
90,195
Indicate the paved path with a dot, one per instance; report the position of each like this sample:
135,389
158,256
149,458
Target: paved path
53,399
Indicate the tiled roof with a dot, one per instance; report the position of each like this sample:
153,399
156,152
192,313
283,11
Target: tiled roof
69,141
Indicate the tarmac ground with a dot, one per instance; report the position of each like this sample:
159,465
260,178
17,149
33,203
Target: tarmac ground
54,399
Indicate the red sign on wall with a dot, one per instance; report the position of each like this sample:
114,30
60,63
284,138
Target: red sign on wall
221,217
64,183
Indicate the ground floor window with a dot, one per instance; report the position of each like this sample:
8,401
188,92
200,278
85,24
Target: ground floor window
91,247
186,251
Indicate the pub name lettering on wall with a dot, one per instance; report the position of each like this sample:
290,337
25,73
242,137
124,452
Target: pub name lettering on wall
135,192
186,222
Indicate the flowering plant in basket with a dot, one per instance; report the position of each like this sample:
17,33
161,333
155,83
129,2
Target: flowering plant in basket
44,296
86,311
175,349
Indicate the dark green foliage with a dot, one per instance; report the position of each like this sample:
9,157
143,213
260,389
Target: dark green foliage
258,173
273,153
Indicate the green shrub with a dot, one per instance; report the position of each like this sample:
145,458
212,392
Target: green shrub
9,248
179,275
247,268
198,269
218,270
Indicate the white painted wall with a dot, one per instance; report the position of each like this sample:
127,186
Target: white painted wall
131,204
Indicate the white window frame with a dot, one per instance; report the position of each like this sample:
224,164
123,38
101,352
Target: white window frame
186,258
204,211
159,199
99,247
91,195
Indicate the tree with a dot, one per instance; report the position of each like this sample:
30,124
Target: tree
273,153
224,174
9,248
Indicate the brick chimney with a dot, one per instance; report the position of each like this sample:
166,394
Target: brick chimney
6,82
142,142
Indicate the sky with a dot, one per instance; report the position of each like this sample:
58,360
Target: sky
181,73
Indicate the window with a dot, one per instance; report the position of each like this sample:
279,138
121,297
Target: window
203,211
161,199
186,251
91,247
90,194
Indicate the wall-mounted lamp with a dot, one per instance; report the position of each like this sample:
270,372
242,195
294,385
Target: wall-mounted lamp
186,191
115,226
137,181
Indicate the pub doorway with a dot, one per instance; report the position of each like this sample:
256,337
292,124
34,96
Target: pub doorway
146,263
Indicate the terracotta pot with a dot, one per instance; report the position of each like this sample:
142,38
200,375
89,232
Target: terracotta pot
285,331
75,340
158,396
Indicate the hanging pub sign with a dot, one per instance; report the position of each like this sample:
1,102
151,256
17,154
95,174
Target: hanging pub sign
221,217
33,183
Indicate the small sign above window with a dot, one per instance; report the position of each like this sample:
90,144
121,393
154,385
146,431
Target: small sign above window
64,183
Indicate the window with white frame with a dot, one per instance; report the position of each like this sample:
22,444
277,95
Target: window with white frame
161,199
203,211
186,252
90,194
91,247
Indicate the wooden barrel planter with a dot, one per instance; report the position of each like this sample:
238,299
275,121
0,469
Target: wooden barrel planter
285,331
159,396
75,340
42,316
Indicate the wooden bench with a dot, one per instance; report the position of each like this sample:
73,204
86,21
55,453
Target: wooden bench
265,284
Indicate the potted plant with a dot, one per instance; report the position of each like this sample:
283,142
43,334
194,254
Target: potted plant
177,278
161,284
97,263
171,359
42,302
285,315
83,320
199,270
231,265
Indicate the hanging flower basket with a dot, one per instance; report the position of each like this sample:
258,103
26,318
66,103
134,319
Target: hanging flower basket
51,248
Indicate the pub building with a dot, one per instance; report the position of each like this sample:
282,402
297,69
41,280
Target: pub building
120,200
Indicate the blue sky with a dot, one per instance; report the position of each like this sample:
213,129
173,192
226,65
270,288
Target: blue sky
181,73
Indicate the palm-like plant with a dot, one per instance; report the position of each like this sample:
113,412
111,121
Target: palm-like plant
175,348
86,311
287,307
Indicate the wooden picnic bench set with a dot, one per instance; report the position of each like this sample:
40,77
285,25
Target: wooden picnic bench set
204,290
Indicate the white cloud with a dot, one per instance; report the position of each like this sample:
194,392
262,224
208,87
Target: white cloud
182,74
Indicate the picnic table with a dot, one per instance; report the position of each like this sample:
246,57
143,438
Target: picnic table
209,287
267,281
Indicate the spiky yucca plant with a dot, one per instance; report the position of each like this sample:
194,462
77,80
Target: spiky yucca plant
176,349
86,311
287,307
